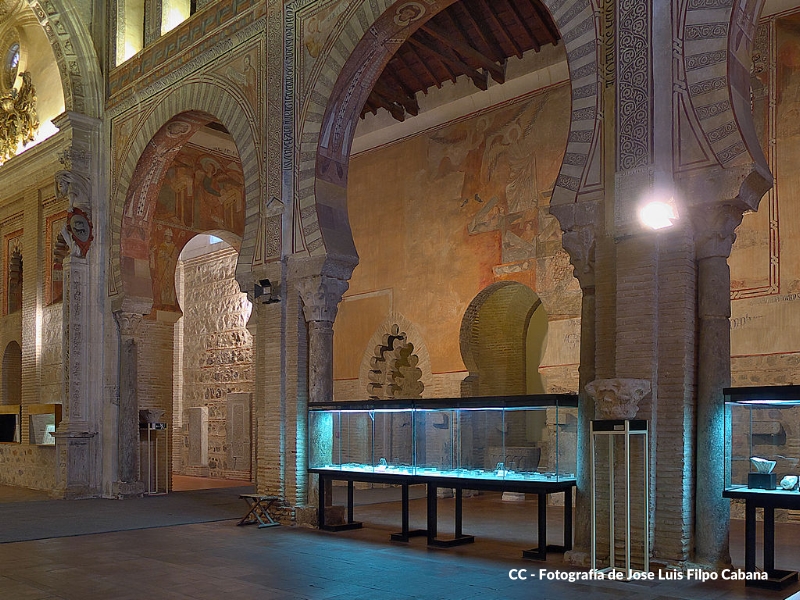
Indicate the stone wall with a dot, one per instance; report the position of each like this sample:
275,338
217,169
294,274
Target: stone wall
28,466
216,368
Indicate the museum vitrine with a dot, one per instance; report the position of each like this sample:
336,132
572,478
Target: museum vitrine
762,438
516,438
43,419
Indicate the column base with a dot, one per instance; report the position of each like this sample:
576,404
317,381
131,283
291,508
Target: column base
127,489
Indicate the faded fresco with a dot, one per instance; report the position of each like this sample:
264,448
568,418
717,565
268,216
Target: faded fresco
202,191
440,216
765,277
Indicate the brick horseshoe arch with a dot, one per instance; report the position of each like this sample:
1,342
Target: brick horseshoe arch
73,49
164,131
718,38
367,42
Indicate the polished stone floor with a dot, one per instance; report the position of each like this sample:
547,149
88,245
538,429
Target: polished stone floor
222,561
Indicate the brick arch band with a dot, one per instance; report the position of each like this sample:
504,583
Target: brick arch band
367,42
81,78
138,176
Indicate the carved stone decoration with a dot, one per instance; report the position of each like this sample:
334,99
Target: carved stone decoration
18,119
128,323
321,296
715,228
393,369
617,398
578,224
633,91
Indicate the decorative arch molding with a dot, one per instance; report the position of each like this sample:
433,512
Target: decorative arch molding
81,77
367,38
413,335
166,128
718,38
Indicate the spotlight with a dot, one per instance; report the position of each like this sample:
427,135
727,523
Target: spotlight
264,289
659,214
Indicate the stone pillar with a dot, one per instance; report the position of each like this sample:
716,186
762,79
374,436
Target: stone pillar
714,236
321,296
76,437
579,241
128,483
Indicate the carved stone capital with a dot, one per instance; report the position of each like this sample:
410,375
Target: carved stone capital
578,224
321,296
715,228
579,244
617,398
128,323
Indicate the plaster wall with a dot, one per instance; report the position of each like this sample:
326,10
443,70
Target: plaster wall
439,216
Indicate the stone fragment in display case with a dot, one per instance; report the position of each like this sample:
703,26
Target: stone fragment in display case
761,437
510,438
789,482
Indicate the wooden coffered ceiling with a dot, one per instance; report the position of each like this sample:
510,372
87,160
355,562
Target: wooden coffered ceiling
470,37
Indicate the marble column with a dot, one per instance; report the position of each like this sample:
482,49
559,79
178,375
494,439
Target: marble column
128,483
579,242
321,296
714,235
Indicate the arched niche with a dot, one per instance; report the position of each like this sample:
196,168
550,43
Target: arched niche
503,338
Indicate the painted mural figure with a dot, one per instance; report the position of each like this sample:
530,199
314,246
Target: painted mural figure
162,267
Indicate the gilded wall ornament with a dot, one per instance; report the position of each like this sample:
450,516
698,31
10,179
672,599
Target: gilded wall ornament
18,120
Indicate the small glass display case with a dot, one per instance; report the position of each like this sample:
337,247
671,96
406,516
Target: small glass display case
513,438
762,438
43,420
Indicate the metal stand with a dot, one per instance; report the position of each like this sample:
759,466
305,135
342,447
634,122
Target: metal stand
614,429
152,458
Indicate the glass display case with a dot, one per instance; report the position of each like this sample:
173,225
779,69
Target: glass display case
43,419
762,438
516,438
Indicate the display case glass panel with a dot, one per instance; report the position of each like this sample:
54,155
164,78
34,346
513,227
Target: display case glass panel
43,419
10,423
762,438
510,438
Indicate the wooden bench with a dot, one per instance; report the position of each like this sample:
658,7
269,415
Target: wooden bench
259,507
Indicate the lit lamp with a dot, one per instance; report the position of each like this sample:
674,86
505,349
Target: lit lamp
659,214
264,289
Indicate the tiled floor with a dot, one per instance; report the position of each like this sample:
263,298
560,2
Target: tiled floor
221,561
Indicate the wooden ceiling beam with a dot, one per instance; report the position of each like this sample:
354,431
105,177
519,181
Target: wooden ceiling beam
509,38
485,35
424,64
512,6
447,56
547,22
398,96
467,52
419,85
414,41
394,109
